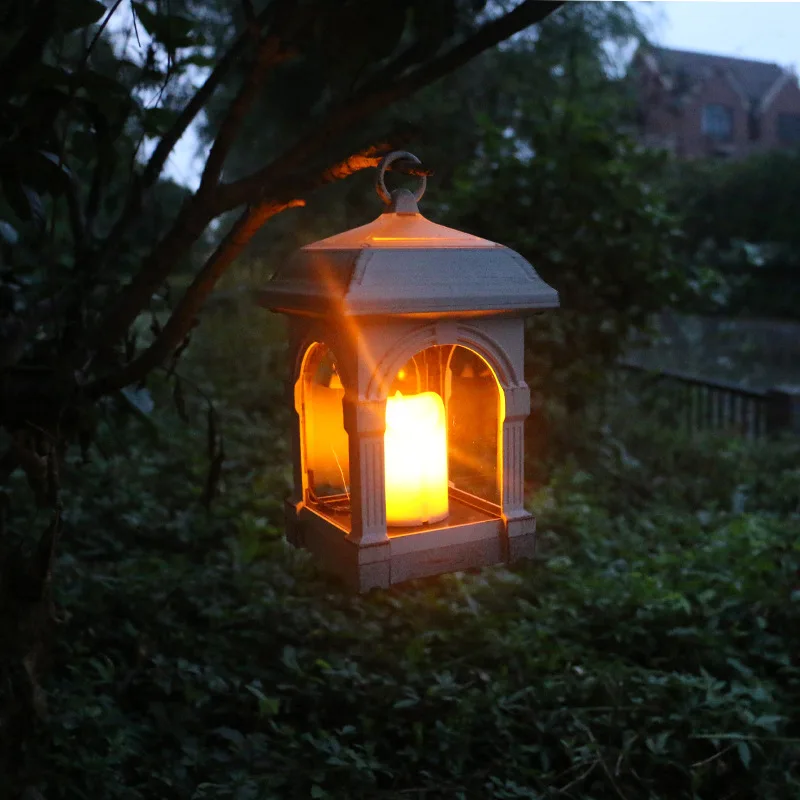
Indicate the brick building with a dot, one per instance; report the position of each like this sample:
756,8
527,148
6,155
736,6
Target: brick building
700,105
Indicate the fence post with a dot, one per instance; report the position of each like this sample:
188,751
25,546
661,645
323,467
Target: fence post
783,409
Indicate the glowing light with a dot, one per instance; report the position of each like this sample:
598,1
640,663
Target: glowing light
325,439
415,446
401,238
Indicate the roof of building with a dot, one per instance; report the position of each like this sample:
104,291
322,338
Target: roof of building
688,69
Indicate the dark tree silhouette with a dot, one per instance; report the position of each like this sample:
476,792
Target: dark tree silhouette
88,234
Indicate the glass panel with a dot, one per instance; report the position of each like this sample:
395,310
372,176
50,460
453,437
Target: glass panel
325,443
473,424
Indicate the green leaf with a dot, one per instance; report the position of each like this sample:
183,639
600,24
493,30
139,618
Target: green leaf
559,563
8,233
199,60
104,90
171,30
45,76
743,749
180,401
213,477
140,399
54,176
267,706
657,744
289,658
26,203
768,721
53,159
156,121
235,737
74,14
740,668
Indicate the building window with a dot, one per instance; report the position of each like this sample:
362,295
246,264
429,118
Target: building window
789,128
718,122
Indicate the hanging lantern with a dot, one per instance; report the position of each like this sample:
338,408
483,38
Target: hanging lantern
406,347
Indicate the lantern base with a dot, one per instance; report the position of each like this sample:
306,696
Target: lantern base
469,538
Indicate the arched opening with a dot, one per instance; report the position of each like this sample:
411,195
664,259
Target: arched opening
443,416
324,441
442,445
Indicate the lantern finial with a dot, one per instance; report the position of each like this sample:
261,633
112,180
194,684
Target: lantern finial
399,201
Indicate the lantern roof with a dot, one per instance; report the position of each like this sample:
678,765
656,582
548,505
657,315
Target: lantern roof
404,264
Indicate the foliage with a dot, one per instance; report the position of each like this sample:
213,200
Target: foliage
534,158
72,122
540,78
580,202
750,199
91,238
651,652
741,231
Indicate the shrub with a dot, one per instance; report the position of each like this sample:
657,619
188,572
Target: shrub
650,652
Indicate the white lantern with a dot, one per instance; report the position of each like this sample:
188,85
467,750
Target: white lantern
410,399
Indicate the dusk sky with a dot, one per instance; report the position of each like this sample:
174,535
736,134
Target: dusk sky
765,31
757,29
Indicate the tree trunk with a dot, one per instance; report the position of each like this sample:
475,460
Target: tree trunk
26,629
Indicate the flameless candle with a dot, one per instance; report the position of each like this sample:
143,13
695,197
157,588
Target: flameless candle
415,451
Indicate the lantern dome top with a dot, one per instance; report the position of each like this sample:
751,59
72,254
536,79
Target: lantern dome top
400,229
404,264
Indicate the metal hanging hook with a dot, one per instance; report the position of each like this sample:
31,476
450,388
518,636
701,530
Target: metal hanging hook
390,158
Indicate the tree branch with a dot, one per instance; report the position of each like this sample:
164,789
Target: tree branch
16,331
41,560
198,210
201,209
267,55
99,173
370,157
182,317
395,69
250,20
76,219
29,46
187,228
168,141
155,164
99,32
8,465
275,12
376,98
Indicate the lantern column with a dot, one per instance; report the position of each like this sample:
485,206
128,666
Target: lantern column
365,423
520,523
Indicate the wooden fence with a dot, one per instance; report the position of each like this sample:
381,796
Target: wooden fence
698,404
